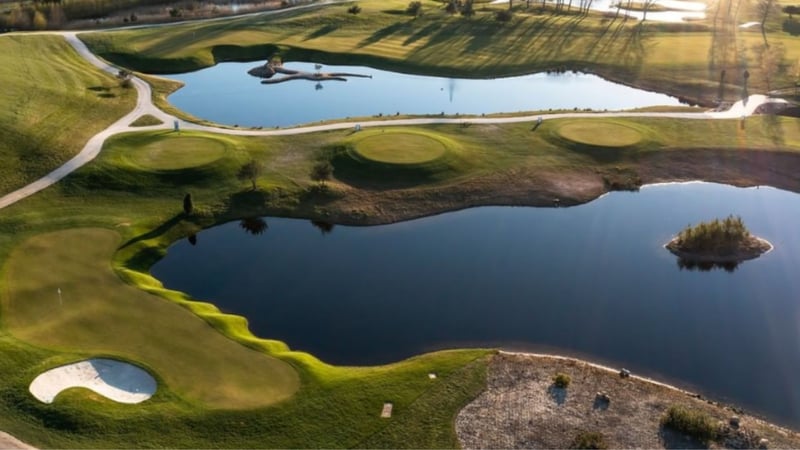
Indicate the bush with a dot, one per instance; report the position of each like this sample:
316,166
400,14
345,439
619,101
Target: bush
714,236
355,9
414,8
589,440
696,424
503,15
561,380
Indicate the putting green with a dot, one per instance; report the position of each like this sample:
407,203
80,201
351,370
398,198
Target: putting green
401,148
596,133
61,293
178,152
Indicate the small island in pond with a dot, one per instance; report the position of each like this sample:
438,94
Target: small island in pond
719,241
275,66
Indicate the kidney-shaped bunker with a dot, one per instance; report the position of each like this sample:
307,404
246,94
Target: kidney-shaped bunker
116,380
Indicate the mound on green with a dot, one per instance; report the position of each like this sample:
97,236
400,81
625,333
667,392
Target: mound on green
397,157
146,120
174,152
53,102
96,313
400,148
599,133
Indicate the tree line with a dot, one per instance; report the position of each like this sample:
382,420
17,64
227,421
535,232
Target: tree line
52,14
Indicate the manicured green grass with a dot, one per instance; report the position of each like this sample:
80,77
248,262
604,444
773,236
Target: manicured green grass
100,314
178,152
683,59
599,134
53,102
146,121
399,148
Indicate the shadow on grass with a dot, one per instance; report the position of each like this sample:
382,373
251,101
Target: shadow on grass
322,31
382,34
156,232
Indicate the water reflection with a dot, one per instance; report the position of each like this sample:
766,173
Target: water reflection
253,225
706,266
323,227
192,239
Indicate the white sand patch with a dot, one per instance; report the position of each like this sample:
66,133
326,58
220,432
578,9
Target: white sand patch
8,441
745,107
115,380
750,25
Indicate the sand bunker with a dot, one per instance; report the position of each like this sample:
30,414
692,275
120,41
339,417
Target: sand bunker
116,380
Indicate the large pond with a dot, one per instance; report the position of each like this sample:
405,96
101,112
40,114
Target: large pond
591,280
225,93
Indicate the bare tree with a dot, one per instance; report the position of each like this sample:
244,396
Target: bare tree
646,5
770,62
250,172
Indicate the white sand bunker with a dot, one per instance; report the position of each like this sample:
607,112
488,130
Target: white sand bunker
116,380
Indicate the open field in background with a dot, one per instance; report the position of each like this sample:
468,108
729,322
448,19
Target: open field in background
53,102
681,59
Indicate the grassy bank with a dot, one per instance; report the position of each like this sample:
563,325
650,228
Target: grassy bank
53,102
683,59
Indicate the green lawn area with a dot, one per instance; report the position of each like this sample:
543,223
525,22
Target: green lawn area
399,147
102,315
53,102
683,59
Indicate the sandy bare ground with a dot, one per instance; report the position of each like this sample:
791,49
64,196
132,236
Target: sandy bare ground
521,408
115,380
10,442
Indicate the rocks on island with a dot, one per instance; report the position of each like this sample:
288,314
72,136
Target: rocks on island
274,66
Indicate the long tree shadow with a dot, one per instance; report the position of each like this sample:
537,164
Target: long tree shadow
381,34
322,31
425,31
156,232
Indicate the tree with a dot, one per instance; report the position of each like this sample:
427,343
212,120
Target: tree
322,171
646,5
250,172
188,204
770,62
791,10
414,8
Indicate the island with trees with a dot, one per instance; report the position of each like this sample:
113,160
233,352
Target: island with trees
718,241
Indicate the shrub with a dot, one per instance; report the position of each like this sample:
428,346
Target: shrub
561,380
696,424
717,235
355,9
414,8
467,10
589,440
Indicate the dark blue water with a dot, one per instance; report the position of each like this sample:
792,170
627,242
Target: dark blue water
225,93
591,280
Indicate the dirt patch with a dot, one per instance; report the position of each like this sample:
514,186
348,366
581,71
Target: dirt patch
536,186
521,408
10,442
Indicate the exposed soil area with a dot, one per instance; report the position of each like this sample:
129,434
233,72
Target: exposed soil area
536,186
522,408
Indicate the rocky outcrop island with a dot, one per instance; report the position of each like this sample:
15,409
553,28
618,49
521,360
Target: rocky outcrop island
273,67
718,241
